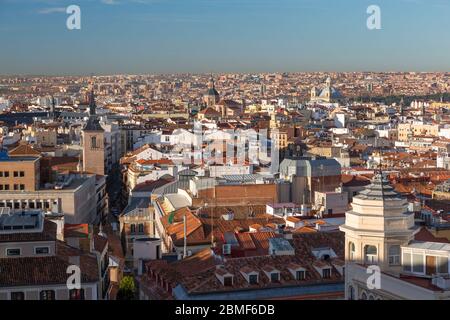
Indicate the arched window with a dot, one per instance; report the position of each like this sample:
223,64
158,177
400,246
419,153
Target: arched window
363,296
352,251
370,254
394,255
141,228
371,297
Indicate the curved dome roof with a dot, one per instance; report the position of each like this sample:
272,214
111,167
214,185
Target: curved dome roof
335,94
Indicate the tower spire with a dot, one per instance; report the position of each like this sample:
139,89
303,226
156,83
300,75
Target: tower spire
52,108
92,105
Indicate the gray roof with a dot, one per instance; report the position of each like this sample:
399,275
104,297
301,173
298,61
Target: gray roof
132,209
379,189
280,244
93,124
310,167
430,246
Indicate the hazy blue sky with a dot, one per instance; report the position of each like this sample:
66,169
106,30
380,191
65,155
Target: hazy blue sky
145,36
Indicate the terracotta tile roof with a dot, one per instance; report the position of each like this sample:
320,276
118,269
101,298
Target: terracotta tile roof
34,271
425,235
24,150
204,280
246,241
76,230
100,243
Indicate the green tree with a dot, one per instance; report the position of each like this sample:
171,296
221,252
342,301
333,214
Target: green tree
126,289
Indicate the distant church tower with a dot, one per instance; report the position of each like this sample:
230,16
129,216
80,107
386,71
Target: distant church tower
93,142
212,96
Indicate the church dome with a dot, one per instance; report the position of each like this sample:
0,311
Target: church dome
332,92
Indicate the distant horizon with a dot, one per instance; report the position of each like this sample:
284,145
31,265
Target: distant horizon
213,73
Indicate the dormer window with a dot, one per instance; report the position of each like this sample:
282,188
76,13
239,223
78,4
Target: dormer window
300,275
13,252
228,281
250,275
326,273
297,271
253,279
225,277
275,277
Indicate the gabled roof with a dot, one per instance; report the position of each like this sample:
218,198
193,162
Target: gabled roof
23,149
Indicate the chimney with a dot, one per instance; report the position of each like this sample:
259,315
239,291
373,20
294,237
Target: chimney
74,260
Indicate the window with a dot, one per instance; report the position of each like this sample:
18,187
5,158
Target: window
253,279
352,251
93,142
76,294
1,187
1,174
326,273
351,293
370,254
394,255
6,186
417,261
406,261
18,295
41,250
132,228
6,174
21,187
363,296
21,173
16,187
11,252
16,174
141,228
47,295
442,264
228,281
300,275
274,277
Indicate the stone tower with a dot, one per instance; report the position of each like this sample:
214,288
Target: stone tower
376,227
93,142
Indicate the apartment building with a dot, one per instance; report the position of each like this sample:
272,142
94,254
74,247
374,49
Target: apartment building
34,264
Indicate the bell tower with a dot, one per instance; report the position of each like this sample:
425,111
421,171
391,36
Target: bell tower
93,141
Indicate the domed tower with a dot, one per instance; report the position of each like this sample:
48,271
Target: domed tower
314,93
212,96
377,225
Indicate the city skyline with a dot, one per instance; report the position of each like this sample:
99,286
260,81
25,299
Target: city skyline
143,37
